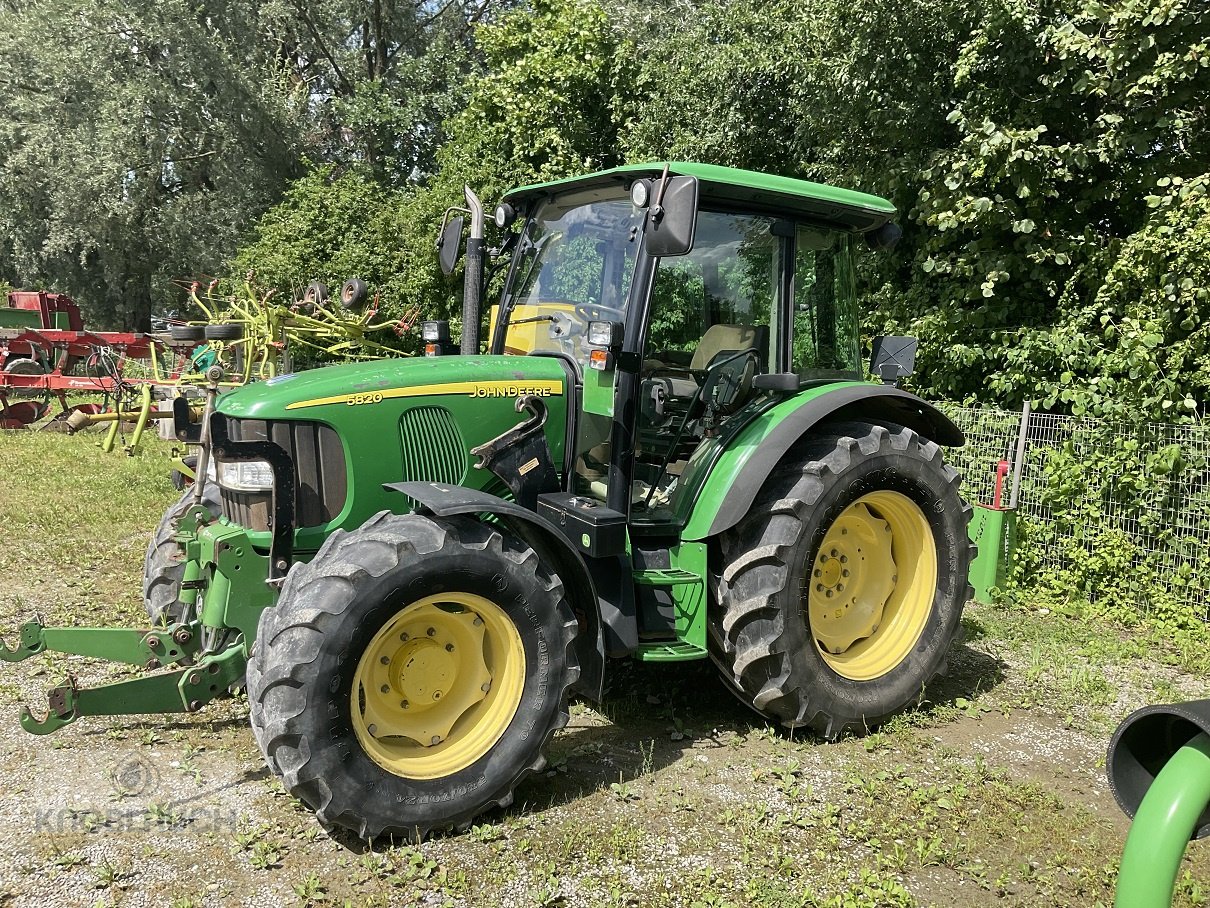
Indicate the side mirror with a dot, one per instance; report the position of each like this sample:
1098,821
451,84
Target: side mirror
884,238
672,218
449,243
893,358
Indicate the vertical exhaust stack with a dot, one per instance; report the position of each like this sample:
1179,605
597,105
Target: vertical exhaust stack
473,276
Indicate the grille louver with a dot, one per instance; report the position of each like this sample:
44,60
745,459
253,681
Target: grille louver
433,450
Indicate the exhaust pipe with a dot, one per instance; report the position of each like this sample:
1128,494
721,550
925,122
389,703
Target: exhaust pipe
473,276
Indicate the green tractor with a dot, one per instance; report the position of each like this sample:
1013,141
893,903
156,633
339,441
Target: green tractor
670,453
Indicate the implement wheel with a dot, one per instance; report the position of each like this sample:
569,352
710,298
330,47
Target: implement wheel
843,588
164,565
411,674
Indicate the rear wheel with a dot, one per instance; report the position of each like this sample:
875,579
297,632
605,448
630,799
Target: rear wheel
843,588
410,675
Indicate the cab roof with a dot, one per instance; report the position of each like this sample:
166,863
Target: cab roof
831,205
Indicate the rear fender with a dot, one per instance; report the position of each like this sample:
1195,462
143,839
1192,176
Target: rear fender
552,548
739,473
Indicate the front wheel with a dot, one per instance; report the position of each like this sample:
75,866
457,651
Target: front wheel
842,590
410,675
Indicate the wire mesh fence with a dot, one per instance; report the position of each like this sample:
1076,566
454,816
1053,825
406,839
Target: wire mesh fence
1118,510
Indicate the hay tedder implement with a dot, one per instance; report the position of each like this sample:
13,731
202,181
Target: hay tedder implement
47,355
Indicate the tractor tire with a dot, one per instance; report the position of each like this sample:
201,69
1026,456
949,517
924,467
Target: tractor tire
354,293
163,567
842,589
228,331
316,293
190,333
411,674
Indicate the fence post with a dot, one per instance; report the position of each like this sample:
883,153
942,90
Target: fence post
993,528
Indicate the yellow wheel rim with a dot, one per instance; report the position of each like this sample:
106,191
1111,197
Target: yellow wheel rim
438,685
871,587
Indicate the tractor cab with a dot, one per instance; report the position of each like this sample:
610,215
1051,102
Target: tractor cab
757,304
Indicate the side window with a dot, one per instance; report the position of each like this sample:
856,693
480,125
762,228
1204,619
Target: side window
826,330
730,278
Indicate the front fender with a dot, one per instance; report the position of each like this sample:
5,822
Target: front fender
741,470
552,548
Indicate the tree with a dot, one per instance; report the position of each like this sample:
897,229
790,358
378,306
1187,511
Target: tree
137,142
551,99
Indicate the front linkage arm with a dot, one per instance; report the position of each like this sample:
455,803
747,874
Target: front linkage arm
185,689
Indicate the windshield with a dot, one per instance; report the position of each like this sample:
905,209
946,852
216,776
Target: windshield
574,266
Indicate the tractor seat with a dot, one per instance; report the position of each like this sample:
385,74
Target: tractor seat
718,339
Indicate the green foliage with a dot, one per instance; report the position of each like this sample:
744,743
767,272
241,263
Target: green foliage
1126,524
549,103
138,142
1066,115
332,225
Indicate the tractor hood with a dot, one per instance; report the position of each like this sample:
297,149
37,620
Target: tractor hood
322,393
353,428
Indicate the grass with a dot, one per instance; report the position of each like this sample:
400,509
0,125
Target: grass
667,794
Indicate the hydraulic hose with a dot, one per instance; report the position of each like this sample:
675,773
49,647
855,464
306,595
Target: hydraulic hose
1162,827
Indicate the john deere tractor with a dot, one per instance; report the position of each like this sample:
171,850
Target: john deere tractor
669,453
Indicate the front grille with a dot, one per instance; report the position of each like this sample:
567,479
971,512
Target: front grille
433,450
320,483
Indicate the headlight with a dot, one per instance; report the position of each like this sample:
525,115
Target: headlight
245,476
605,334
435,332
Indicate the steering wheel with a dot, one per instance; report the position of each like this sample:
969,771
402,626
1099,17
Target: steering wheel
593,312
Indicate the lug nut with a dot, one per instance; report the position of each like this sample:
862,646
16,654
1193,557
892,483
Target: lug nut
487,685
385,661
372,729
385,688
436,739
404,704
432,632
436,695
404,637
449,647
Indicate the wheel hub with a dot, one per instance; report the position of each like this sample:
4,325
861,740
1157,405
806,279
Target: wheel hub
438,685
863,619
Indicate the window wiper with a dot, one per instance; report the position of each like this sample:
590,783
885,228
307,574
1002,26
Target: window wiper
533,318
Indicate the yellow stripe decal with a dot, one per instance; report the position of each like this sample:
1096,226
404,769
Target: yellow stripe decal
517,388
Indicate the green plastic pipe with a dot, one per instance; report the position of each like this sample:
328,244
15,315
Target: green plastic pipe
1162,827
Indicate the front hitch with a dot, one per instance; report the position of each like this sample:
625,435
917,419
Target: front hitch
187,689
